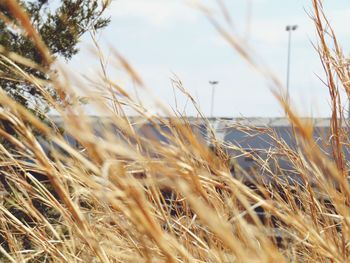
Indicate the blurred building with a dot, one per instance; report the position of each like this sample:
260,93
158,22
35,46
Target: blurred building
246,140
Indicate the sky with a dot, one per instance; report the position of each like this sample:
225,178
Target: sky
163,38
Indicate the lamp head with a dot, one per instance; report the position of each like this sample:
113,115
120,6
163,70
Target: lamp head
291,28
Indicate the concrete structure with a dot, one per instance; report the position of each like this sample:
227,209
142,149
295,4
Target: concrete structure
251,135
259,139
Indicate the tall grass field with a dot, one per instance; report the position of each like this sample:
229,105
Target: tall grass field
117,195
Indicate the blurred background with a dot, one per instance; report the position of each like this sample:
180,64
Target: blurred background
163,38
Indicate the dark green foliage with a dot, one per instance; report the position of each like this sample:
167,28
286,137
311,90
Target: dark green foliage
60,25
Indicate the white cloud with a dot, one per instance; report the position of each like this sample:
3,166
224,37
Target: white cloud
271,30
160,13
339,20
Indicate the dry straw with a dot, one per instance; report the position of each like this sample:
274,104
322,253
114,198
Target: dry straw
122,197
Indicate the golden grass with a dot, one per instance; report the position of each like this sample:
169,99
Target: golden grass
108,201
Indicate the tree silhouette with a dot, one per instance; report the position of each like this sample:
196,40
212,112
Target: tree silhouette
61,25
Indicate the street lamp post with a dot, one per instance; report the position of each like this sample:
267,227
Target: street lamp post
213,85
289,29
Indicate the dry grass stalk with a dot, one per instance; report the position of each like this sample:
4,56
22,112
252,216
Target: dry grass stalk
124,197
